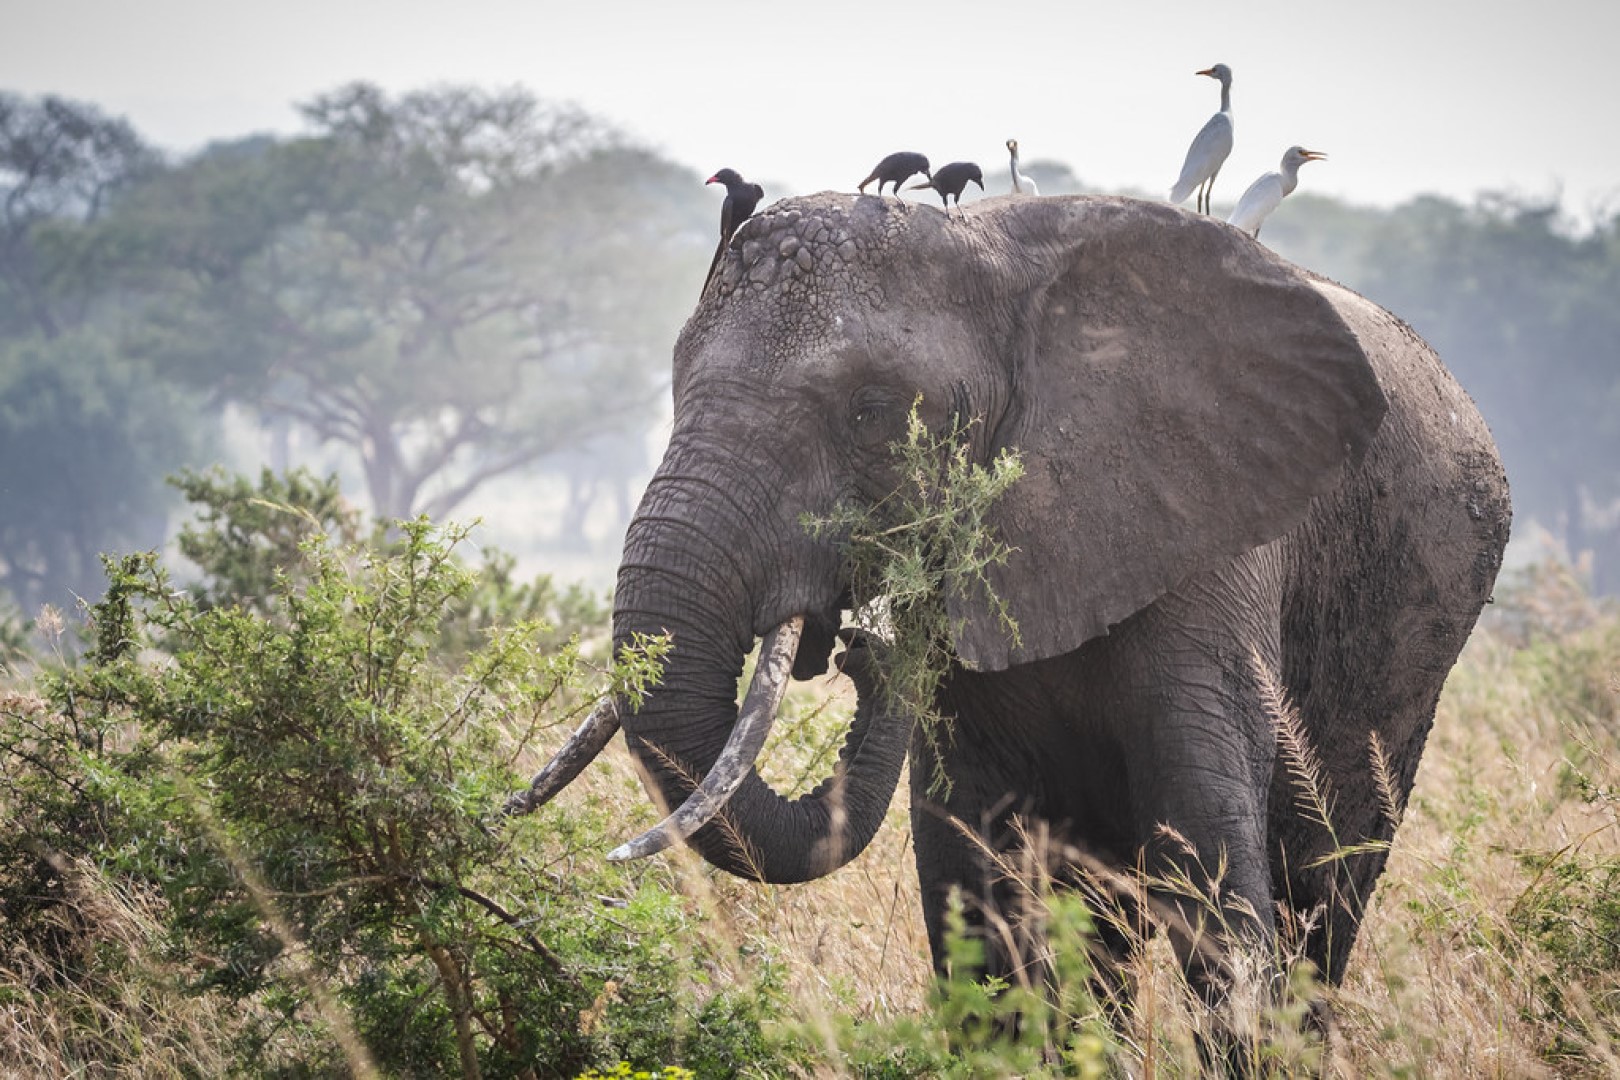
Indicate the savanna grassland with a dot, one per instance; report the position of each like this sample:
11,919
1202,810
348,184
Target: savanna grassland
253,831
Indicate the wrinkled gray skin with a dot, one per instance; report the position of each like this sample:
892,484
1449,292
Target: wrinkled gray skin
1226,458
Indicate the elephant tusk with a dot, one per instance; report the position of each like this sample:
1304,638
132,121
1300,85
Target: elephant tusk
579,751
736,761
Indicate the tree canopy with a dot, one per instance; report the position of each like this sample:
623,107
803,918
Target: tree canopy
453,284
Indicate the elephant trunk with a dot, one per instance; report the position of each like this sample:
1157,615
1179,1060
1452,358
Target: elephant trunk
678,578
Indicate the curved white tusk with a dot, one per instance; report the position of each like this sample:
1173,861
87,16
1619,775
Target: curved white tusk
736,761
579,751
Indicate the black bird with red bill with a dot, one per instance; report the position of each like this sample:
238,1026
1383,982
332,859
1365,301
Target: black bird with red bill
741,200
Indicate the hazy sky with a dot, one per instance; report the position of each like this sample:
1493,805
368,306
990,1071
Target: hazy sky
1405,96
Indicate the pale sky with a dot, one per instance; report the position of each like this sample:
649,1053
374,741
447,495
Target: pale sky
1405,96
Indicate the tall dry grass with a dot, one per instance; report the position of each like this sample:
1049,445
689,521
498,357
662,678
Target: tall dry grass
126,1013
1486,950
1491,947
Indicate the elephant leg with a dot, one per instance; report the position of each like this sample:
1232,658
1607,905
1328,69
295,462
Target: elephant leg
1199,750
966,854
1370,630
1000,855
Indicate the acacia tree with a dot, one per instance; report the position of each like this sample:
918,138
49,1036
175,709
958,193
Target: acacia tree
452,284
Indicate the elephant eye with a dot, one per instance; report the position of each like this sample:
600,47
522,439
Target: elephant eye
872,417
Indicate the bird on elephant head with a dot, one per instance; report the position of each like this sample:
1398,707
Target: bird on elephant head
896,169
951,180
1210,147
1021,184
738,206
1237,476
1267,193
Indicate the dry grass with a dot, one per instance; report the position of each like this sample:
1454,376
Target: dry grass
126,1016
1445,976
1445,980
1450,977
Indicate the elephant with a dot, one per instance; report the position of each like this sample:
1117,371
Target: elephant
1232,467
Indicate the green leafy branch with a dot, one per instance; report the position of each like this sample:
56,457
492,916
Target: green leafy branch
910,553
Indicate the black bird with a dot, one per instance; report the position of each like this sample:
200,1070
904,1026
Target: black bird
896,169
741,200
950,181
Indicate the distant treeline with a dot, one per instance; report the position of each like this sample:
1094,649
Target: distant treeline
456,285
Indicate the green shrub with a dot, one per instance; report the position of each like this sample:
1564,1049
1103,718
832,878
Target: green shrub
292,760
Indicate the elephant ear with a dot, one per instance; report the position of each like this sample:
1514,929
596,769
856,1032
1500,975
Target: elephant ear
1179,396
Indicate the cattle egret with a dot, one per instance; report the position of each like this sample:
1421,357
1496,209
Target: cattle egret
1209,147
1022,185
1266,193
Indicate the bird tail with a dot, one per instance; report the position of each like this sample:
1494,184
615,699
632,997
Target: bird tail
714,264
1183,188
861,187
924,184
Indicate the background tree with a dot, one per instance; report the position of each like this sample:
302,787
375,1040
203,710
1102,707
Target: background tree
452,284
62,164
86,433
85,441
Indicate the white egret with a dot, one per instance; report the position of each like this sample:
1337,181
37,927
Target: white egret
1266,193
1022,185
1210,146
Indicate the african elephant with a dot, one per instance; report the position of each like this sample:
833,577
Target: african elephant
1231,466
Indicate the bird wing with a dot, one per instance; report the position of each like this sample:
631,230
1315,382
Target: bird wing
1205,156
1262,197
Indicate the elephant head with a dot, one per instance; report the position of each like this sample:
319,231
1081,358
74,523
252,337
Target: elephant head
1178,396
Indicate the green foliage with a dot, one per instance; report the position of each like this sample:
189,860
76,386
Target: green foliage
1571,913
917,550
560,613
307,783
248,540
245,538
15,631
1068,1024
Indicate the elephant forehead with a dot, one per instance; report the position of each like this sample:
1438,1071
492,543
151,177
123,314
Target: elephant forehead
794,272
